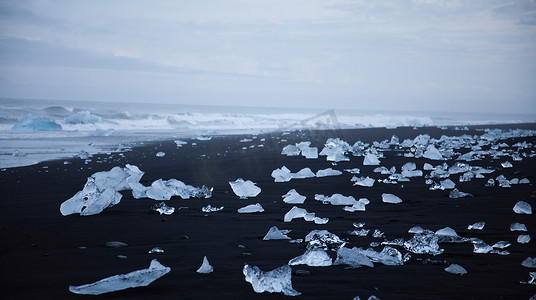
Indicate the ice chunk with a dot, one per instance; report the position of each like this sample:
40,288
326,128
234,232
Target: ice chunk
323,239
204,138
416,229
336,199
83,117
447,231
523,238
281,175
518,227
529,262
532,280
335,150
377,233
501,245
506,164
160,154
165,189
179,143
162,209
275,281
428,167
454,194
303,173
425,242
523,207
205,267
477,226
363,181
352,258
209,209
312,258
456,269
481,247
31,123
360,232
252,208
371,160
134,279
290,150
275,234
358,206
432,153
447,184
388,256
244,189
390,198
328,172
293,197
353,171
156,250
524,181
296,213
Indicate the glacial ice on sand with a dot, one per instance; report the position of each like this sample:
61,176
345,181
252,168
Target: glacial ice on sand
312,258
31,123
425,242
160,154
275,234
323,239
205,267
389,256
371,160
244,189
477,226
275,281
523,238
134,279
529,262
209,209
352,258
456,269
165,189
447,231
432,153
336,199
518,227
523,207
390,198
363,181
455,193
252,208
296,213
162,209
283,174
416,229
360,205
83,117
328,172
293,197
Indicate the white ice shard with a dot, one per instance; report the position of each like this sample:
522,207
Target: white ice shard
303,173
293,197
252,208
275,234
425,242
162,209
455,193
209,209
447,184
518,227
428,167
358,206
371,160
456,269
529,262
506,164
335,150
290,150
336,199
432,153
134,279
480,246
523,238
390,198
179,143
501,245
156,250
416,229
352,258
205,267
477,226
328,172
281,174
244,189
160,154
296,213
389,256
312,258
323,239
275,281
165,189
447,231
363,181
523,207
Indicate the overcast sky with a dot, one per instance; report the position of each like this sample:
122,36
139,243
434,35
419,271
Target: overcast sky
477,55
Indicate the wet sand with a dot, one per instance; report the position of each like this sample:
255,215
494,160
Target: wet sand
40,254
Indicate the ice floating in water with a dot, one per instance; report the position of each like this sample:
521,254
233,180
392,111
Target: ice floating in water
312,258
518,227
477,226
293,197
31,123
134,279
303,147
275,234
454,194
390,198
205,267
204,138
275,281
432,153
336,199
209,209
456,269
101,191
363,181
252,208
160,154
523,238
425,242
523,207
371,160
529,262
162,209
360,232
352,258
244,189
328,172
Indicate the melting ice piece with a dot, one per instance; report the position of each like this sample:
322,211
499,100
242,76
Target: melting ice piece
523,207
281,175
447,231
275,234
428,167
481,247
389,255
518,227
447,184
165,189
252,208
31,123
532,280
456,269
454,194
432,153
293,197
209,209
323,239
477,226
160,154
358,206
336,199
506,164
529,262
244,189
328,172
363,181
352,258
523,238
353,171
360,232
134,279
275,281
371,160
179,143
416,229
425,242
501,245
390,198
156,250
162,209
205,267
312,258
290,150
296,213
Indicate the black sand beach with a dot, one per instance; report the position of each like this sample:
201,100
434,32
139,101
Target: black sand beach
40,254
